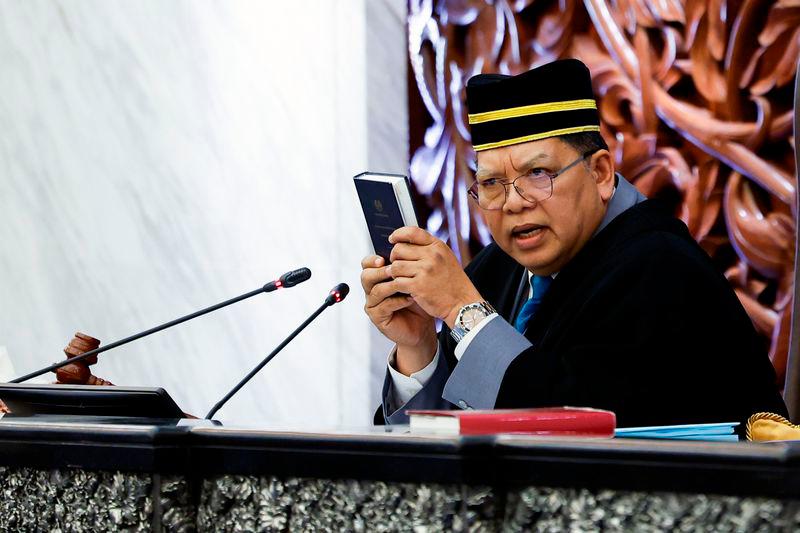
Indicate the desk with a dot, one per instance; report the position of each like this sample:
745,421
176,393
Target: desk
74,475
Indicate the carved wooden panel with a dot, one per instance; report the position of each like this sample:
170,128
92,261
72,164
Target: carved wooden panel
695,99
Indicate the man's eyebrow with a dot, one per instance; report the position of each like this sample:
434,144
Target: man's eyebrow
538,158
481,172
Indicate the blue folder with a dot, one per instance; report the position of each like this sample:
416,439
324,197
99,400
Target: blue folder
723,431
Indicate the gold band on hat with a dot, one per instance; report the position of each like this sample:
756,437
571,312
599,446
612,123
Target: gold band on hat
535,109
534,137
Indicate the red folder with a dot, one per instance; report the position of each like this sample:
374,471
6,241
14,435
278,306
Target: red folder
560,421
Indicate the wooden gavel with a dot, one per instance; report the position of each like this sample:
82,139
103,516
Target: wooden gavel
78,373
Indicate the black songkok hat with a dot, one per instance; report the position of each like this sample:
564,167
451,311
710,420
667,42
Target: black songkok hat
551,100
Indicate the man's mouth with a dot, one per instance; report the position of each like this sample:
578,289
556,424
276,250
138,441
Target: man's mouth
526,231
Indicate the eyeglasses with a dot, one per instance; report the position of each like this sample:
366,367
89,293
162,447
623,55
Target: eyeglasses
534,186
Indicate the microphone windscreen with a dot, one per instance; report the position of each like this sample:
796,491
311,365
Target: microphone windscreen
343,289
338,293
290,279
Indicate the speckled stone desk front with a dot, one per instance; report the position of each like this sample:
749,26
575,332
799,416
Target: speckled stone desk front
79,500
270,504
74,500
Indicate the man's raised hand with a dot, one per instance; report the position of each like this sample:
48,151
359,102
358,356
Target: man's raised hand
398,317
427,270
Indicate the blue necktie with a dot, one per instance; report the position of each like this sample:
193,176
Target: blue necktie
540,284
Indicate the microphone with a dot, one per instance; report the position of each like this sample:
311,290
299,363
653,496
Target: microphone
337,294
290,279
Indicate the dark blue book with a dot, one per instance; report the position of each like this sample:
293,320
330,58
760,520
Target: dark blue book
386,201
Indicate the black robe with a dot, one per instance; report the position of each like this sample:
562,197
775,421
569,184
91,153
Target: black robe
640,322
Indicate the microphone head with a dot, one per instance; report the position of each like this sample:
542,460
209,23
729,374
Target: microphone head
337,294
290,279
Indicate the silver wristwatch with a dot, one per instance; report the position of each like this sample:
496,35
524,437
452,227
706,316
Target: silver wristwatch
470,316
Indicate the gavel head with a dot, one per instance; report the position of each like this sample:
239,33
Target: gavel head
80,344
77,372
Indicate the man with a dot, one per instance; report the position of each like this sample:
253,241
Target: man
590,295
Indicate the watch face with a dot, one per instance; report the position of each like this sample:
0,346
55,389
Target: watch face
471,317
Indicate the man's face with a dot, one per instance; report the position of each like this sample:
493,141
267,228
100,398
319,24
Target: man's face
544,237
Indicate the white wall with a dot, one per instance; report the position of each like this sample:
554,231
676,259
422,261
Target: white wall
158,157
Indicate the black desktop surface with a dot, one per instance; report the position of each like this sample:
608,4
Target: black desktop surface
161,446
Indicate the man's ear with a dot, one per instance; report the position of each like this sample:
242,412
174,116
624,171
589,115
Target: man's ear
602,166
